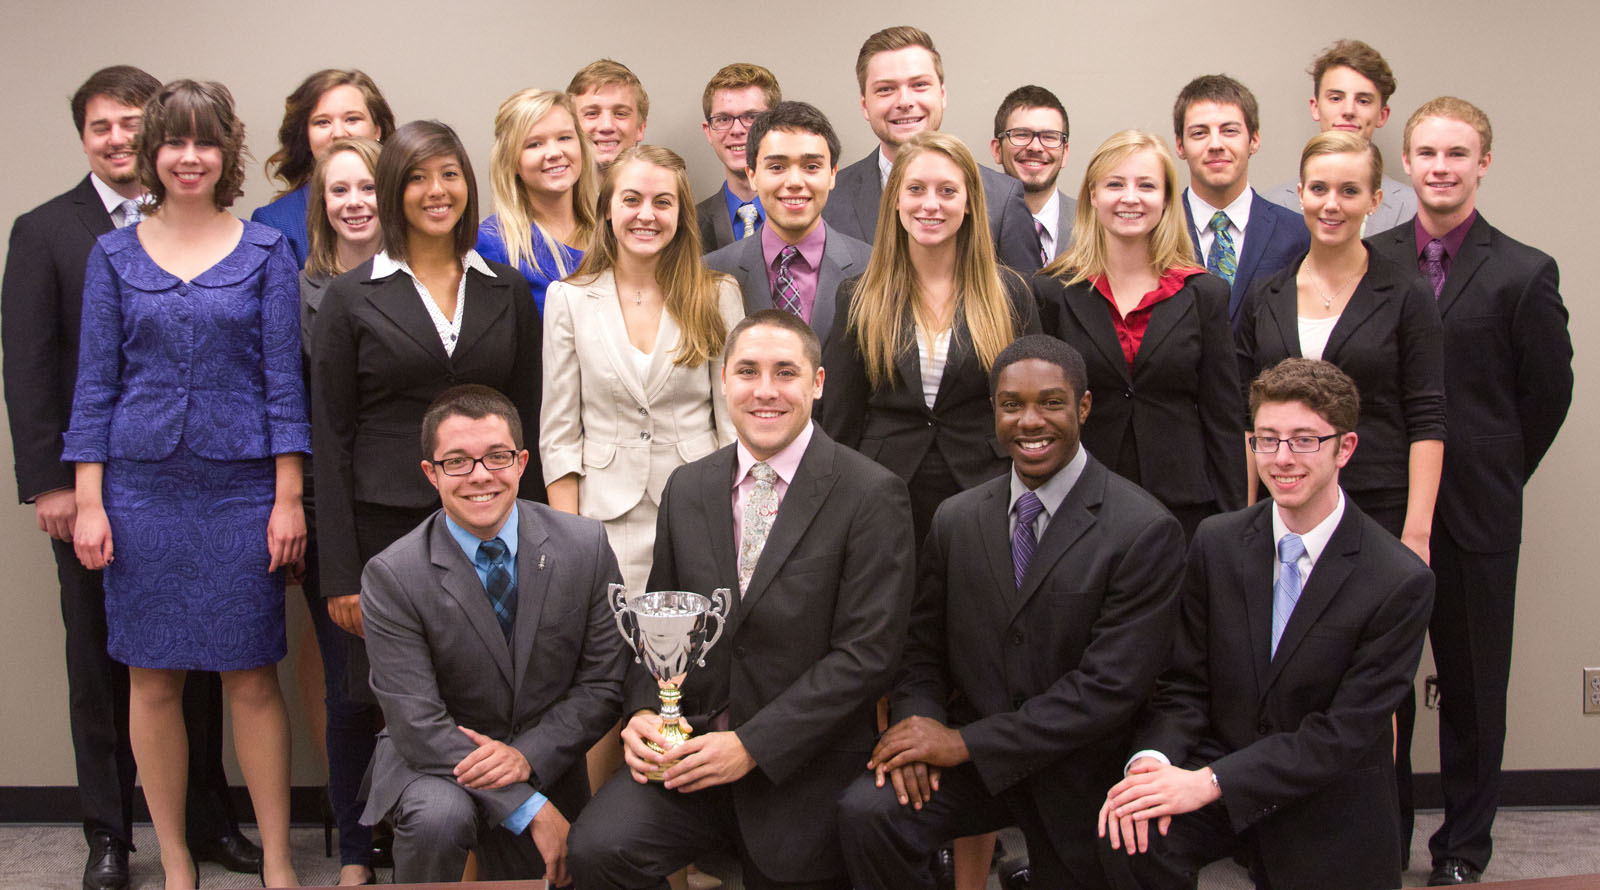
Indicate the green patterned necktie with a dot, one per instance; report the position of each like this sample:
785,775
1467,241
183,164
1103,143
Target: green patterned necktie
1222,261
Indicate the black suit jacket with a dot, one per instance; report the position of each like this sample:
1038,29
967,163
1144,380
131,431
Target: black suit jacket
1388,339
41,308
1180,402
1301,742
716,230
857,190
893,424
1273,238
1051,676
377,363
807,650
1508,377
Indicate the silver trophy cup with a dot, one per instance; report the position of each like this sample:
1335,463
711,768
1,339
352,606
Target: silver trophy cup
668,630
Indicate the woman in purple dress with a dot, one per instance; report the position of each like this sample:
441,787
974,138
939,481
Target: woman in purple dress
189,429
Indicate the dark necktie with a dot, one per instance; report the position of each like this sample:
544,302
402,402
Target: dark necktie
1433,265
1044,235
788,293
1222,260
1286,591
1022,539
501,589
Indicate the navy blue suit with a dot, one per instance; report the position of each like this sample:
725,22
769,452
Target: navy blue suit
1273,238
287,214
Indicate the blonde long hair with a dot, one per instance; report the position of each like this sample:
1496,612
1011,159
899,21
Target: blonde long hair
887,293
1170,246
513,208
322,258
689,286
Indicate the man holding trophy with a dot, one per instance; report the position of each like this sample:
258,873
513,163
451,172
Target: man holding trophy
807,545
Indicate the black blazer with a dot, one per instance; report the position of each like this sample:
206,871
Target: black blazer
377,364
807,650
893,424
716,230
1388,339
1180,402
1301,741
1508,377
1050,677
41,309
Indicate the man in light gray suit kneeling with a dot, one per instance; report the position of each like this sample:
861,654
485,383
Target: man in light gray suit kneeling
495,658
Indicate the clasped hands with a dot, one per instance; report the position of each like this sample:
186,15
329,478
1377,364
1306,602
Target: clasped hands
1152,790
704,761
911,754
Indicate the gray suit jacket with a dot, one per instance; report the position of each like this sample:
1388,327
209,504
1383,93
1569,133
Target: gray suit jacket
1067,216
842,257
853,209
440,661
716,230
1399,203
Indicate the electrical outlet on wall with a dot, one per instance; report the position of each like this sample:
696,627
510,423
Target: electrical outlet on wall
1591,690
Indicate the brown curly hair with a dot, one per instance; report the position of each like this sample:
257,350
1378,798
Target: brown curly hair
199,110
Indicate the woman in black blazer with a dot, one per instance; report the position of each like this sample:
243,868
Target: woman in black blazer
1374,319
425,314
915,335
1153,329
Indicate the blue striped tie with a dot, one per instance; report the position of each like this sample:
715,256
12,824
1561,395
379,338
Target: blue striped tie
1286,590
1028,508
502,591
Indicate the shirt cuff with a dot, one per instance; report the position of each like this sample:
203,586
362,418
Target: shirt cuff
522,816
1148,752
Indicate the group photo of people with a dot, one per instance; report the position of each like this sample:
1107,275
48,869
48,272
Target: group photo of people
1111,512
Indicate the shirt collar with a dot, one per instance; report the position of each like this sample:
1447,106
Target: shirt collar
469,542
1452,239
1314,540
884,164
1055,489
1238,211
384,265
810,246
1049,216
109,196
785,463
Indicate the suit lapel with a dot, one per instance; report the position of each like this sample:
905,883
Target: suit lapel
91,211
534,566
607,314
460,580
1164,317
1078,512
1094,316
959,354
1194,234
1364,301
801,502
756,285
719,218
487,304
1256,553
1283,305
836,267
1327,577
994,520
396,298
1474,251
1256,236
864,201
716,510
667,336
909,363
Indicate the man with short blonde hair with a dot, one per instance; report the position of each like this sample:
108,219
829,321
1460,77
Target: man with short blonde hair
612,107
732,100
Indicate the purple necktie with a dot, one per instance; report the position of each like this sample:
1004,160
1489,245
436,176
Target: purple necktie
788,294
1433,265
1028,508
1044,252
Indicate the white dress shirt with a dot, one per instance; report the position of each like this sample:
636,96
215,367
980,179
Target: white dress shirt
1238,217
449,329
1049,216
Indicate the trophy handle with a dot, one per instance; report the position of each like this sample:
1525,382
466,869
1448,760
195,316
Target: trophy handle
619,610
719,611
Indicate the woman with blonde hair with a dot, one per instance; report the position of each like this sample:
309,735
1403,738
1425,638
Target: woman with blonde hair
543,177
1153,328
915,335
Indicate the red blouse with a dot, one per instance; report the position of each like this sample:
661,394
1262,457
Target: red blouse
1131,327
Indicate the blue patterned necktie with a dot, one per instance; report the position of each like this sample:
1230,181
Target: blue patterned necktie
501,589
1028,508
1433,265
747,215
788,293
1222,261
1286,590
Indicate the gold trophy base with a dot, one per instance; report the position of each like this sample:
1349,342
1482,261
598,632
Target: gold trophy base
672,728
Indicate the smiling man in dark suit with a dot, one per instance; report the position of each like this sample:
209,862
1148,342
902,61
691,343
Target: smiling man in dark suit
1300,629
1044,608
41,305
1030,143
1241,236
494,655
733,98
797,260
816,541
901,77
1508,384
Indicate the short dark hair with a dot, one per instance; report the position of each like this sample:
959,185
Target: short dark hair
473,401
792,117
126,84
1047,349
292,162
199,110
778,318
1029,96
410,145
1221,89
1358,57
1318,385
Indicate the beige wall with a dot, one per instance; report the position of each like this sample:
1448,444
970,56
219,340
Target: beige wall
1114,65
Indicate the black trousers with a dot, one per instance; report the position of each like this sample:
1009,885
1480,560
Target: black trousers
97,691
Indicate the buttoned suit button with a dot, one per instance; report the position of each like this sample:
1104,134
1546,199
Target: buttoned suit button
738,651
644,434
183,290
1127,393
1262,728
1017,701
644,412
1016,638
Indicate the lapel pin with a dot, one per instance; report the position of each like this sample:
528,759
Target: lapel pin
541,562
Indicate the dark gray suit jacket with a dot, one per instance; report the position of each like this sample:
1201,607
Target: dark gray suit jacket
439,659
716,230
842,257
1066,218
853,209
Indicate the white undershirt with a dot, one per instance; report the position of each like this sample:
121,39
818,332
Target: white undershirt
449,329
1314,335
933,350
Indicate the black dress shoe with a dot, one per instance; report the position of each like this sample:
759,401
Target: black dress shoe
107,868
233,851
1015,874
944,868
1449,872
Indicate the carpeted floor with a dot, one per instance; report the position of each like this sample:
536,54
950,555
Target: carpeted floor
1528,844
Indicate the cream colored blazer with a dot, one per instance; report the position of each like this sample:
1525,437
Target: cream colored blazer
620,434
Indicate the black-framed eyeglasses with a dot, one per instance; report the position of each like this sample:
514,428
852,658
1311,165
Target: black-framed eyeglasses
463,466
1021,136
725,121
1297,444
